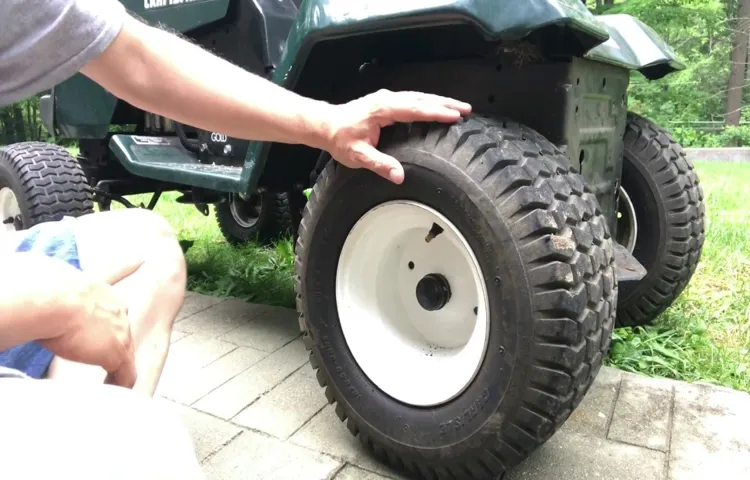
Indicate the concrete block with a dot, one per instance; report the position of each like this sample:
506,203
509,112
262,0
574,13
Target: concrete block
176,336
711,433
253,456
286,408
326,433
239,392
642,413
209,434
188,386
194,352
719,155
221,318
350,472
574,456
592,415
268,332
194,303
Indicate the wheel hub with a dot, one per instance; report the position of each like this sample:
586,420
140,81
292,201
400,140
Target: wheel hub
433,292
10,211
245,211
412,303
627,222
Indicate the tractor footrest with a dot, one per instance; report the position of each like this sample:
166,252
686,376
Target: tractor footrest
628,268
166,160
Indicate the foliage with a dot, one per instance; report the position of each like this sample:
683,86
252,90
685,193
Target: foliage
700,32
21,122
697,31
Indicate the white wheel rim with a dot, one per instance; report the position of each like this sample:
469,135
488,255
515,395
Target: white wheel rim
630,235
9,209
419,357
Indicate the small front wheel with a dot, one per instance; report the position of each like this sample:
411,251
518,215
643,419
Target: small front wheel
263,216
459,318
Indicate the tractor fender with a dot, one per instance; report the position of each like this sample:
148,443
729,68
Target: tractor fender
634,45
322,20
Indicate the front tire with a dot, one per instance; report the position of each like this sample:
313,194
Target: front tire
264,217
544,286
40,182
662,217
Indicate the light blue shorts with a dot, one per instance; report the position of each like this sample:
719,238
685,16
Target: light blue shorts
56,240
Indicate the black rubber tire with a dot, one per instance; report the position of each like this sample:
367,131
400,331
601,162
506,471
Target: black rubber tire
547,256
277,220
47,180
668,202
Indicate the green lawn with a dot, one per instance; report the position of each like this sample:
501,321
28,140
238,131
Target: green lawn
705,336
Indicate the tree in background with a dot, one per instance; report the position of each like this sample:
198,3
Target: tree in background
739,59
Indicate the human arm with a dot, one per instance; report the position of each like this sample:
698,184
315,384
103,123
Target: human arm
164,74
46,300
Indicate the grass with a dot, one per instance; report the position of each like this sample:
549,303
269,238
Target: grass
704,336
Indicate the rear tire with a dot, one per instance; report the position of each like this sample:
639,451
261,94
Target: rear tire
44,182
666,200
547,280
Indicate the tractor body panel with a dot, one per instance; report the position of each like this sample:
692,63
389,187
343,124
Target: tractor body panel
551,56
179,15
584,105
559,30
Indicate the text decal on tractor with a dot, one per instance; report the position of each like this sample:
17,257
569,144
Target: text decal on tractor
150,4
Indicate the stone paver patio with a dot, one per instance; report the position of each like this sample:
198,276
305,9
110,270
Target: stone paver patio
238,375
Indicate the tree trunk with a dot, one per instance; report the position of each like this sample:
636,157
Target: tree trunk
739,64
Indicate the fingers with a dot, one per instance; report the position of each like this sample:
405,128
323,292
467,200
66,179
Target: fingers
416,107
463,107
125,376
380,163
123,372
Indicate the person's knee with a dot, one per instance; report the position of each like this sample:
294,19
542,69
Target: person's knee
143,240
165,252
146,222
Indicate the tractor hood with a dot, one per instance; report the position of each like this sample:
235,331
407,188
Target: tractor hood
616,39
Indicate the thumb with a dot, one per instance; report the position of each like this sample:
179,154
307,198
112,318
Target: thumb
382,164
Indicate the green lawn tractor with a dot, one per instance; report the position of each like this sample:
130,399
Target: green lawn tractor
455,320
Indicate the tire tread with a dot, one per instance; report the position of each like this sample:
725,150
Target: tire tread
544,201
53,182
682,194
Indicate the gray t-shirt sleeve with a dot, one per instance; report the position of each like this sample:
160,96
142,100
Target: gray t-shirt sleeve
44,42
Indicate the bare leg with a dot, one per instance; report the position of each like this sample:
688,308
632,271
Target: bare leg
134,250
90,432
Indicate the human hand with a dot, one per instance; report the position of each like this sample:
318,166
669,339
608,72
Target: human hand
354,127
99,334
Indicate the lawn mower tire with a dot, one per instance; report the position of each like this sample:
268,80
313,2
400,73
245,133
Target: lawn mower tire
264,217
661,220
40,182
456,320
